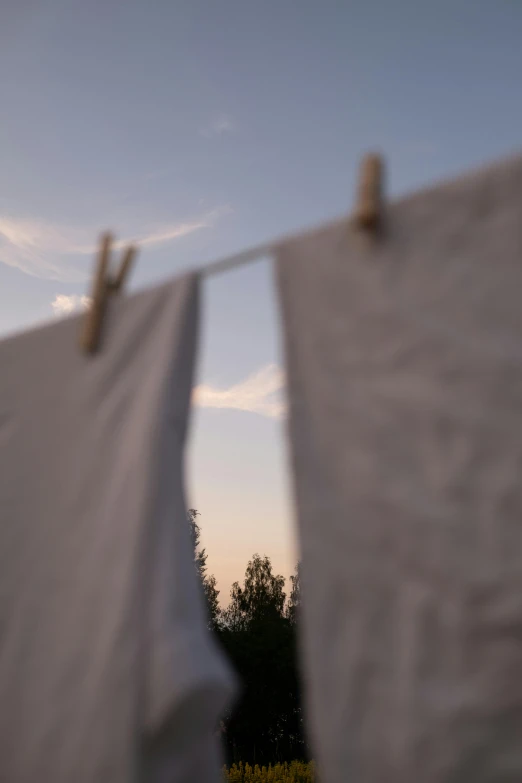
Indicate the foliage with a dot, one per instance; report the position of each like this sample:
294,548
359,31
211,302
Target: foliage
261,598
208,582
295,772
266,724
258,633
294,600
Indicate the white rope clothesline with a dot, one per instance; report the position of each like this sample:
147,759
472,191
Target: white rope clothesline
105,285
367,216
244,257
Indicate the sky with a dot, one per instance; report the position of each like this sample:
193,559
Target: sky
200,127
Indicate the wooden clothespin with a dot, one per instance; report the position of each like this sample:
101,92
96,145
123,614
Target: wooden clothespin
104,286
369,207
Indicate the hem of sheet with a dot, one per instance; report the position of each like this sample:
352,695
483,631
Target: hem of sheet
209,685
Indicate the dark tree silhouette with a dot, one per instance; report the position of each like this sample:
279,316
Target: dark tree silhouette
208,582
260,639
261,598
258,631
294,600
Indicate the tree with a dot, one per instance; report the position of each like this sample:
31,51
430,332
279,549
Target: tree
294,600
261,598
208,582
260,640
211,596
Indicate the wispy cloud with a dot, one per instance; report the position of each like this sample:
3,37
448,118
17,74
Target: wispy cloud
261,392
63,304
35,247
39,248
167,233
218,126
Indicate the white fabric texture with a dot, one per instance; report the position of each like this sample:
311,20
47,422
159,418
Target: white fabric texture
107,671
404,365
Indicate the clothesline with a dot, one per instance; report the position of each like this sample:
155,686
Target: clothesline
367,216
251,254
92,324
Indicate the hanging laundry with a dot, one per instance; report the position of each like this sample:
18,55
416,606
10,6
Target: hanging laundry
404,364
107,671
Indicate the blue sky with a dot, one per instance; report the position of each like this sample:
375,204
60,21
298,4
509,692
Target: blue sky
200,127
